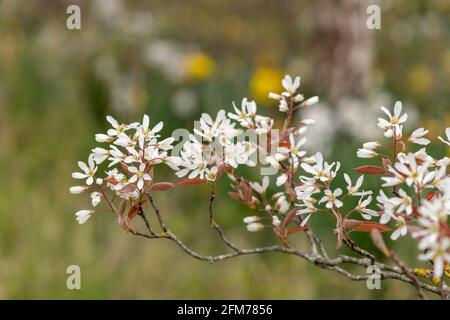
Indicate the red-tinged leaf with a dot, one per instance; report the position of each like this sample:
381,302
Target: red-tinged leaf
132,212
370,170
188,182
128,188
296,229
123,206
414,211
431,195
111,180
364,226
285,144
163,186
377,239
291,214
236,196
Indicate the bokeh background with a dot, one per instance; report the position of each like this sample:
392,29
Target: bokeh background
175,60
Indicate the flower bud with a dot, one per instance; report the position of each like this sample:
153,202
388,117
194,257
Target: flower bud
78,189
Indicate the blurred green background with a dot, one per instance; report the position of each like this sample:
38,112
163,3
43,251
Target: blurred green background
175,60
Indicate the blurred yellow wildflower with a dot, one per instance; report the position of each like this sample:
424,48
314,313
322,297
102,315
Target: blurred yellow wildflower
420,79
265,80
199,66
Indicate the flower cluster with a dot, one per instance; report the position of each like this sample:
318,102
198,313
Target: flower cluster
419,185
133,151
416,194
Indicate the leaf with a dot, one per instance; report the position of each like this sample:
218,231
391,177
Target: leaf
364,226
296,229
236,196
163,186
187,182
378,241
123,206
128,188
431,195
291,214
370,170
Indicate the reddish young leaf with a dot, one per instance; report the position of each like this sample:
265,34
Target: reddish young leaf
370,170
291,214
236,196
431,195
128,188
378,241
163,186
187,182
296,229
364,226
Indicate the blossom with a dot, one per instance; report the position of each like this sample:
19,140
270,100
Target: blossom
282,205
403,203
83,215
321,170
417,137
78,189
363,210
118,128
290,85
371,145
447,133
366,153
246,114
143,133
439,254
96,198
255,226
331,198
395,120
140,176
89,171
261,188
401,230
354,190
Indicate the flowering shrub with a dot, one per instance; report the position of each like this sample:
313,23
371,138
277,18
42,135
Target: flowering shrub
414,195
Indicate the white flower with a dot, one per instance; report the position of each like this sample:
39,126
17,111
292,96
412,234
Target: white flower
281,179
263,124
247,113
255,226
321,170
78,189
363,210
387,207
331,198
100,137
393,125
100,155
404,202
83,215
401,230
447,133
144,133
118,128
294,148
211,174
439,254
291,86
417,137
282,205
89,171
414,174
371,145
276,221
366,153
354,190
261,188
251,219
96,198
140,176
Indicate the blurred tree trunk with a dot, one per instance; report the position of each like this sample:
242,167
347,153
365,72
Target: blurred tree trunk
344,47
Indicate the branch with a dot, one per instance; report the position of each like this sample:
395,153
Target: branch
387,272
